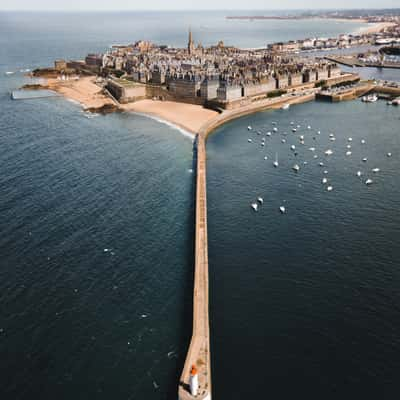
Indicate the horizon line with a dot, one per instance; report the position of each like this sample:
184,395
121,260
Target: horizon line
195,9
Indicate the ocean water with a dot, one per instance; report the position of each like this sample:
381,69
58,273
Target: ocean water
96,236
305,304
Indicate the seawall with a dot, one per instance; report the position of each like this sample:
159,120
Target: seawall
199,348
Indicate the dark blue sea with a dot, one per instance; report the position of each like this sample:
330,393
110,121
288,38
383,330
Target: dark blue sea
96,243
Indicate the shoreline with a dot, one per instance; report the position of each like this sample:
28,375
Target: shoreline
375,27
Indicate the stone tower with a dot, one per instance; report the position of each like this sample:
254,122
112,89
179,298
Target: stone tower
190,43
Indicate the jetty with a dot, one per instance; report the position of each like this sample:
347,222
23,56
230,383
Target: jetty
195,381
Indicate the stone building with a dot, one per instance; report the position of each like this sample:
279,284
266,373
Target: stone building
295,79
126,91
227,92
185,86
209,88
60,65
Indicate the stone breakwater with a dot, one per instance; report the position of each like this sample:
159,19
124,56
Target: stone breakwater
199,350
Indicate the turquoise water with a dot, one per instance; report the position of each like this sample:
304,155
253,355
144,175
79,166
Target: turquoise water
97,235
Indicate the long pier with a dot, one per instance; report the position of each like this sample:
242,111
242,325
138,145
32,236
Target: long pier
198,359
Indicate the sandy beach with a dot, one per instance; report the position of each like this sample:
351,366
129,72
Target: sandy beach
376,28
85,91
187,116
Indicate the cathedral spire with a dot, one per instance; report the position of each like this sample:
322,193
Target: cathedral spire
190,42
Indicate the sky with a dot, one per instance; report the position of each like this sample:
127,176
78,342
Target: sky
189,4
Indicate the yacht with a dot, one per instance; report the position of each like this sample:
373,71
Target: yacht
286,106
369,181
375,170
249,128
365,159
332,139
329,188
371,98
362,141
276,164
249,140
268,134
260,200
301,137
350,139
294,130
359,173
296,168
275,129
312,149
283,140
389,154
348,153
293,147
265,158
324,180
321,164
328,152
349,146
254,206
282,209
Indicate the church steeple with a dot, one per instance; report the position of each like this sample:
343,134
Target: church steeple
190,43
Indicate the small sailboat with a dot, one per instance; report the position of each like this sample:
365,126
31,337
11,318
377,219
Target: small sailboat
375,170
282,209
348,153
254,206
293,147
294,130
349,146
249,140
369,181
249,128
301,137
265,158
389,154
359,173
332,139
268,133
326,171
308,127
276,163
329,188
260,200
312,149
296,168
329,152
365,159
362,141
283,140
321,164
275,129
350,139
324,180
286,106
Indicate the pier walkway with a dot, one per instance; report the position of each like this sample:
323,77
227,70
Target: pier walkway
199,350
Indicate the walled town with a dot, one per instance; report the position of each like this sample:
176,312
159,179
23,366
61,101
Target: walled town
218,76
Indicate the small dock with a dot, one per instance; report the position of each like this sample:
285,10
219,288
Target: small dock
29,94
